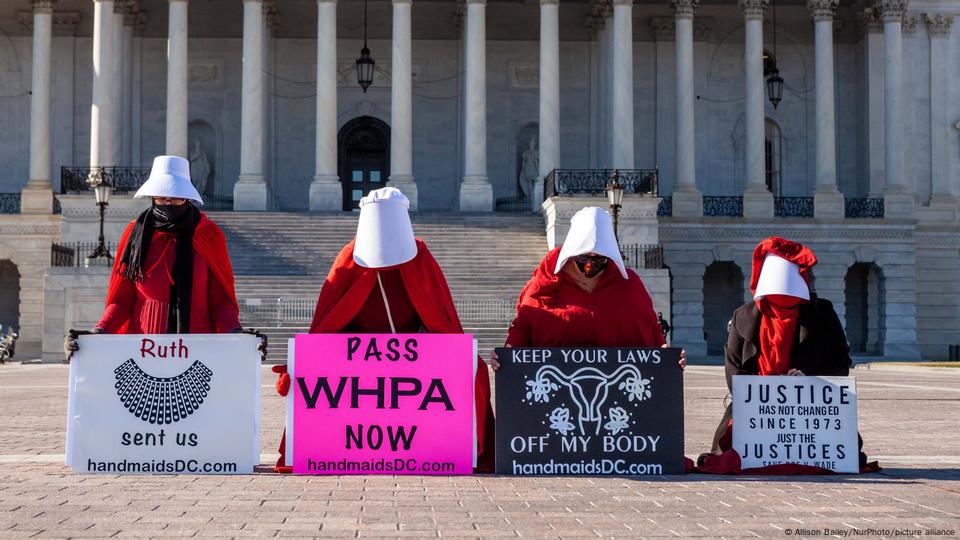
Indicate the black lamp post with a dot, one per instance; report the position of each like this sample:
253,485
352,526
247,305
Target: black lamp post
101,191
774,81
365,63
615,197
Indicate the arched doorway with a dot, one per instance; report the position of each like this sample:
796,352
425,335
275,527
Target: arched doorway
9,295
363,146
722,295
773,157
865,306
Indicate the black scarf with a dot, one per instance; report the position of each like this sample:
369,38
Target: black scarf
134,258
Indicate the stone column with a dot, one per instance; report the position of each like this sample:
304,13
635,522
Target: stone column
102,109
37,196
687,199
126,114
623,84
476,193
874,113
898,200
326,192
116,82
939,26
757,199
828,202
401,104
250,191
549,94
177,79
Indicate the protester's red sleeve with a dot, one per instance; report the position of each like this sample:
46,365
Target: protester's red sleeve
518,335
118,312
223,311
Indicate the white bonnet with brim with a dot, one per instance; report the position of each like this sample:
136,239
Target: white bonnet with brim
780,276
591,231
169,177
384,233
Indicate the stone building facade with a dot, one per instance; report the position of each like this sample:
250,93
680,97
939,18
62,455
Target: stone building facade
860,158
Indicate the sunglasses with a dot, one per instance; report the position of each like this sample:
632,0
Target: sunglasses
598,260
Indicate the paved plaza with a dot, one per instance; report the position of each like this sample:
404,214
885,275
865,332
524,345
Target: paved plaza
909,418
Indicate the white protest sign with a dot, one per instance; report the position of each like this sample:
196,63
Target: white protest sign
164,404
801,420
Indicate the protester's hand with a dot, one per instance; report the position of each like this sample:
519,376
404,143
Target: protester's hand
495,360
795,373
283,381
71,344
262,346
683,356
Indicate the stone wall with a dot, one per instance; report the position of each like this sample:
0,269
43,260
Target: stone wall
25,241
72,299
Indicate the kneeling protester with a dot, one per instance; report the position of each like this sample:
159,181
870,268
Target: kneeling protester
787,366
388,300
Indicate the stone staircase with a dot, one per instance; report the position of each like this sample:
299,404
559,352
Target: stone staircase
281,259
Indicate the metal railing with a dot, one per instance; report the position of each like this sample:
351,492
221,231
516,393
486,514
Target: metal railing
864,207
514,204
9,203
298,310
217,203
74,254
723,206
793,206
643,256
594,181
665,208
122,179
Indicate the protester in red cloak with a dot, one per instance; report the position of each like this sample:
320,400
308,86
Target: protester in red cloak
386,281
786,330
582,295
172,273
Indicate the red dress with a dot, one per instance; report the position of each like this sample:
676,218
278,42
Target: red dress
142,307
553,311
420,301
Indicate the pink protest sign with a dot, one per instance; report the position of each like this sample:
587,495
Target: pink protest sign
383,404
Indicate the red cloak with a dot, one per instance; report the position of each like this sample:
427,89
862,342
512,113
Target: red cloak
553,311
213,306
345,291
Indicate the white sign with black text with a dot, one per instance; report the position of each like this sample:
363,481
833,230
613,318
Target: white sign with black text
801,420
148,404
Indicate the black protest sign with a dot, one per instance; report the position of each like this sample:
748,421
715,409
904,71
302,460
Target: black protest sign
589,411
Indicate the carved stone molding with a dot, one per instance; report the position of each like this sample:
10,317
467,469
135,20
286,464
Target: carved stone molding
753,9
64,22
43,6
684,8
663,28
910,22
822,10
939,24
891,10
702,27
872,20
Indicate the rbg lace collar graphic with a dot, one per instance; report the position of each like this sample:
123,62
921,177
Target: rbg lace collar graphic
162,400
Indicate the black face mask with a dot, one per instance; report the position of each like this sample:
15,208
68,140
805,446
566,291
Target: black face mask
169,213
591,265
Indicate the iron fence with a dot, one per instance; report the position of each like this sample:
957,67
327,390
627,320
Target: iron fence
74,254
217,202
121,179
642,256
864,207
793,206
298,310
9,203
723,206
514,204
594,181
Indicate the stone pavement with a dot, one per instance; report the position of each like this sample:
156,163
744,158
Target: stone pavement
909,418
